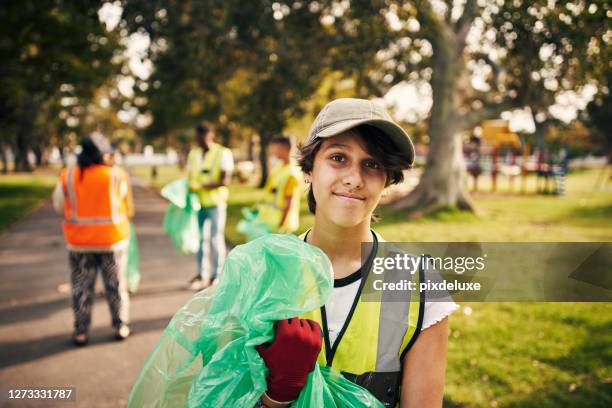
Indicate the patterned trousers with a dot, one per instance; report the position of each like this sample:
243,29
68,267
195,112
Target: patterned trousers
84,268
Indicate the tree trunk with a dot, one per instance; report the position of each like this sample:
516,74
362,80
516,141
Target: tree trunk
39,154
3,158
539,132
21,152
263,159
24,135
251,149
226,136
443,183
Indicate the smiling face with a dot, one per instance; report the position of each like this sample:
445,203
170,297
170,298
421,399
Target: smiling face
347,181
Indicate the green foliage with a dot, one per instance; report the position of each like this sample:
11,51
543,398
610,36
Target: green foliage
20,193
250,63
49,50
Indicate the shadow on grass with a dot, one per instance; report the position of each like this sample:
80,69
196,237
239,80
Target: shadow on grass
592,355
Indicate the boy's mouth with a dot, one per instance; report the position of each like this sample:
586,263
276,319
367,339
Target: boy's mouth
348,196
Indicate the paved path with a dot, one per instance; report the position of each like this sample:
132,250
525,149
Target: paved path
36,318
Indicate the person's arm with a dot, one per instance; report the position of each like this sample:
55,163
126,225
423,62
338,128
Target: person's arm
58,198
274,404
193,171
289,194
227,166
424,368
226,178
128,198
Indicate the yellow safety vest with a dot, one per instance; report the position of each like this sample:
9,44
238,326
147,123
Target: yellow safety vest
376,336
271,210
206,168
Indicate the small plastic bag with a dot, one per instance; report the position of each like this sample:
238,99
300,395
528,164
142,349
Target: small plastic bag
206,356
251,226
133,264
328,388
181,219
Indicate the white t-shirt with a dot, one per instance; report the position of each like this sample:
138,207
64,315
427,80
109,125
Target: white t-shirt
227,161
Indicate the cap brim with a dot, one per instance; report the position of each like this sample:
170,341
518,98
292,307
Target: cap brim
394,131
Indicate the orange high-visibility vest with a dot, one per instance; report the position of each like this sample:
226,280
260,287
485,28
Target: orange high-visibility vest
95,215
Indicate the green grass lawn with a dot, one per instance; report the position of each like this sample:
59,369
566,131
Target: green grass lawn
21,192
509,354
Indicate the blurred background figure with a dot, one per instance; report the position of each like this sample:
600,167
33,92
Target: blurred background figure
132,271
96,200
281,206
279,210
209,169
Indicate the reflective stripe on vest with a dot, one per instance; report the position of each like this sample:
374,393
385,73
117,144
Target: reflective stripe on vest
374,338
116,216
94,215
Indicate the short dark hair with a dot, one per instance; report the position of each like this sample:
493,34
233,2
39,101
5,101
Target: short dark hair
203,128
283,140
377,143
90,155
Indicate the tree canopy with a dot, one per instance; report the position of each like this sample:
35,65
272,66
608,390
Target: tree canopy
54,55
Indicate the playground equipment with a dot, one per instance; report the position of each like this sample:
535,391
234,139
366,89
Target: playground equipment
499,150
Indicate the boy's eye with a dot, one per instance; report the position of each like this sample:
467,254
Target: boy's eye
372,164
337,158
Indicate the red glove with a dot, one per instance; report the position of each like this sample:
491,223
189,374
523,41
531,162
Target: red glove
291,357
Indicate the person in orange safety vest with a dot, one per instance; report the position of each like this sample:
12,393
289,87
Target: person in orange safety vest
96,201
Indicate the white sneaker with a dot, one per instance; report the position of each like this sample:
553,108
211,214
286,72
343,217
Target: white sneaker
123,332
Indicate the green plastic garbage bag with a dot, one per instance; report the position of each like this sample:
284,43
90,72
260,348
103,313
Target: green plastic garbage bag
133,265
181,219
252,227
206,356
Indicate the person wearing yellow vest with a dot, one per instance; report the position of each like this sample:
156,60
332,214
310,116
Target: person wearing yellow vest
281,206
96,201
209,169
395,349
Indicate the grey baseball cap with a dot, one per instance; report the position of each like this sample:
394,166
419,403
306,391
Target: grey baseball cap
343,114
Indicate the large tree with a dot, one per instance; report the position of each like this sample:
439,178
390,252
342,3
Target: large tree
525,53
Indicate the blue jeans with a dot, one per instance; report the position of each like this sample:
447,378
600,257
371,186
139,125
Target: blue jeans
211,253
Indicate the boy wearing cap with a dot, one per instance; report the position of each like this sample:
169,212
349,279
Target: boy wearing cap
396,350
